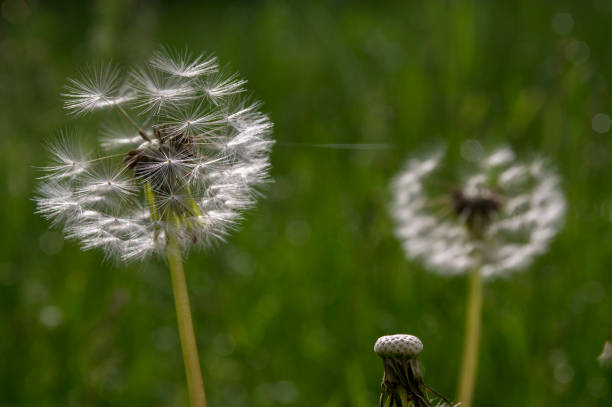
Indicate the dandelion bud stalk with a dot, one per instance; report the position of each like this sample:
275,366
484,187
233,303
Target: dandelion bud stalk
195,384
402,384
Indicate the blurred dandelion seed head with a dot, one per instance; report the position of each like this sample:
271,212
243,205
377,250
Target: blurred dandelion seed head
189,165
498,217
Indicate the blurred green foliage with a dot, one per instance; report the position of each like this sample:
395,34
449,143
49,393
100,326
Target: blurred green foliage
288,310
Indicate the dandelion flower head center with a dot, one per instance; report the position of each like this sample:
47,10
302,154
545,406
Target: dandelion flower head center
475,210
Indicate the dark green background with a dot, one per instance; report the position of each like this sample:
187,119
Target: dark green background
288,310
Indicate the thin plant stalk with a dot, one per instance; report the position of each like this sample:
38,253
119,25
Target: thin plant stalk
195,385
469,364
403,397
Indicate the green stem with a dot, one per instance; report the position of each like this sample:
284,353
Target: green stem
195,384
403,396
467,376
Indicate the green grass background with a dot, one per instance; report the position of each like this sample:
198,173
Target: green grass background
287,311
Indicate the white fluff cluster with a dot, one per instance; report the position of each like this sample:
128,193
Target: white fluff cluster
525,209
187,168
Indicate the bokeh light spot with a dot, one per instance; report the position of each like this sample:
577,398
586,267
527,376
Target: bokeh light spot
51,316
562,23
297,232
51,242
601,123
471,150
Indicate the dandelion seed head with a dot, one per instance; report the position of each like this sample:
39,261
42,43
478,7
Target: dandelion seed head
188,166
501,215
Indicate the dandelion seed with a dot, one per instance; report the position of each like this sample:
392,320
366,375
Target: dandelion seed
221,85
57,202
106,184
183,63
99,87
194,120
69,158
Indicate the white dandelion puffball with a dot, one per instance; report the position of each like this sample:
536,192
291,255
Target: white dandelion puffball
499,216
399,345
186,168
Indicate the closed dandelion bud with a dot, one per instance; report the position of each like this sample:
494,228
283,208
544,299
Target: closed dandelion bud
187,168
398,346
402,382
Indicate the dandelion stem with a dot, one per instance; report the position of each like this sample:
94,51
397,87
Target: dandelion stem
403,396
195,384
467,375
